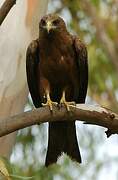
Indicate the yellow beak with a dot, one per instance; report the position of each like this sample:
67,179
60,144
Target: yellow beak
49,26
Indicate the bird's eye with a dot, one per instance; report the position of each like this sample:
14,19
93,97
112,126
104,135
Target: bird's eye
43,23
56,22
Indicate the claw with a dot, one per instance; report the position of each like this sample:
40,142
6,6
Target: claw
50,104
67,104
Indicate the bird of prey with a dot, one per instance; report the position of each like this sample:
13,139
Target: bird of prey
57,72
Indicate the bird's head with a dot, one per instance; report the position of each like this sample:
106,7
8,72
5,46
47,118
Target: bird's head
51,23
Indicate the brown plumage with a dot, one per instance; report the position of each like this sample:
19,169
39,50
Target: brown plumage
57,69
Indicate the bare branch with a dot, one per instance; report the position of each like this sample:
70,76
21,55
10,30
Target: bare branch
4,10
90,114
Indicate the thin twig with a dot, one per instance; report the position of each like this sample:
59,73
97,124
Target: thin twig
4,10
88,113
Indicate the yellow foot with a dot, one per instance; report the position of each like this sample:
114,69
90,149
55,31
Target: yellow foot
50,104
67,104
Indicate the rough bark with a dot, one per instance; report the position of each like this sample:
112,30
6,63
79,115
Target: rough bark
15,37
90,114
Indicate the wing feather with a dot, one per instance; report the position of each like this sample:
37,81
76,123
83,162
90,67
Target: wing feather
32,60
82,64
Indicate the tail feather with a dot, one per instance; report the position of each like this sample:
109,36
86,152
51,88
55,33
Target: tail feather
62,138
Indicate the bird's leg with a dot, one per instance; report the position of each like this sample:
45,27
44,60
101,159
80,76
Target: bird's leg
49,101
63,101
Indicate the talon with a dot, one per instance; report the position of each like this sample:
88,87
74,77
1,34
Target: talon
50,104
67,104
49,101
72,103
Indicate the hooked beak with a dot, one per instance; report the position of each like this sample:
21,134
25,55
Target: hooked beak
48,26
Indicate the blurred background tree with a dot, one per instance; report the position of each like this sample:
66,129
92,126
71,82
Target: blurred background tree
96,23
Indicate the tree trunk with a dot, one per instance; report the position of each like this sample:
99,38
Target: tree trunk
17,30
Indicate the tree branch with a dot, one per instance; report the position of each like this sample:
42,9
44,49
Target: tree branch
90,114
4,10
